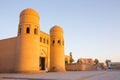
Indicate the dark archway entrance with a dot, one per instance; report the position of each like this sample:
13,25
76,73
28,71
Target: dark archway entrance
42,63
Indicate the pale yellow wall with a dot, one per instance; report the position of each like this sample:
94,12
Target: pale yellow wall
7,54
22,53
27,55
45,48
57,57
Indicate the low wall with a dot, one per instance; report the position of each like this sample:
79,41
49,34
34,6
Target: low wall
79,67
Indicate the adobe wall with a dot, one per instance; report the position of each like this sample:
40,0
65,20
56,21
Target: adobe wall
45,48
79,67
7,52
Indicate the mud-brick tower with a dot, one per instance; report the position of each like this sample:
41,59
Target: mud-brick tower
27,51
57,61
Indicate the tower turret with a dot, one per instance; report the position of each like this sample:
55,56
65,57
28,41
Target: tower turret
57,61
27,51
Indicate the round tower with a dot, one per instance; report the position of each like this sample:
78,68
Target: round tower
27,51
57,57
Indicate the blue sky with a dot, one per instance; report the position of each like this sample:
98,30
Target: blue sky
91,27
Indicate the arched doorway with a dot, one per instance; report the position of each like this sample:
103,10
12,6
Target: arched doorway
42,63
43,59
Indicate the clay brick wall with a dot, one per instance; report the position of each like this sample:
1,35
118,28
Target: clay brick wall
79,67
7,54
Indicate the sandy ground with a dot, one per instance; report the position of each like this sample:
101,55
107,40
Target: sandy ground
73,75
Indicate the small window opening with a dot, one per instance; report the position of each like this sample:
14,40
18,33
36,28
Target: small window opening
44,40
58,42
47,42
53,42
28,30
40,39
35,31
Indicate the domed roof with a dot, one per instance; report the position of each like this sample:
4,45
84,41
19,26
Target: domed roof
29,11
56,28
